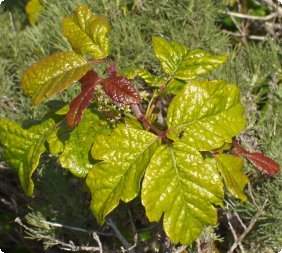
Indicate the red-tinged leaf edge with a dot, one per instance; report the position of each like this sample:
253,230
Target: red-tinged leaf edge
258,159
88,84
119,88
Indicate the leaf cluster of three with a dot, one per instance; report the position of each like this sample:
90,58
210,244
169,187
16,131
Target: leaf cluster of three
182,181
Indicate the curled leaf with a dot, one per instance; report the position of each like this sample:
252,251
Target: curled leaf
83,100
258,159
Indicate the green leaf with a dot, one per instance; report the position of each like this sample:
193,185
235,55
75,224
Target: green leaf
183,187
75,156
184,64
23,148
125,154
87,33
52,75
174,86
231,169
206,114
33,10
149,78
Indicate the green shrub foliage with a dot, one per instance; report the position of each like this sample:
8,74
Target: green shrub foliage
178,166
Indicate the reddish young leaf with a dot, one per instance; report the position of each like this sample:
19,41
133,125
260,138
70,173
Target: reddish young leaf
258,159
119,88
83,99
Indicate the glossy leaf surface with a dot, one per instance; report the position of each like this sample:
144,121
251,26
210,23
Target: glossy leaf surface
206,114
52,75
23,148
83,99
184,188
182,63
262,162
149,78
87,33
125,154
231,170
121,90
75,156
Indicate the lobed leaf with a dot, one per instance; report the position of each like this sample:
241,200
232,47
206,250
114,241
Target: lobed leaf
76,153
23,148
231,170
52,75
87,33
184,64
183,187
125,154
206,114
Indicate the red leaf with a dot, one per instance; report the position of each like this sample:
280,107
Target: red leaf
83,99
258,159
119,88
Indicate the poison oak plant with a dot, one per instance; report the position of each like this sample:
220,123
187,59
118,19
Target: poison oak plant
178,157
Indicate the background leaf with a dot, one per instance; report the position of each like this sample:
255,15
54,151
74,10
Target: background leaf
53,74
125,154
183,187
33,9
75,156
184,64
23,148
87,33
231,170
206,114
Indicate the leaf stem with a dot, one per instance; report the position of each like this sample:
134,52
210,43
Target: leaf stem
146,124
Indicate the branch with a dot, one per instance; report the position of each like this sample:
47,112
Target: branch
248,229
121,238
251,17
61,244
252,37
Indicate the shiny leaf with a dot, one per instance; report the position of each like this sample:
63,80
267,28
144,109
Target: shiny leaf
183,187
75,156
83,99
121,90
182,63
206,114
231,169
125,154
87,33
52,75
262,162
23,148
150,79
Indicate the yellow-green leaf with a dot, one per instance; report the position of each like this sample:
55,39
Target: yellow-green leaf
149,78
33,9
75,156
125,154
23,148
53,74
206,114
184,64
231,170
87,33
183,188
